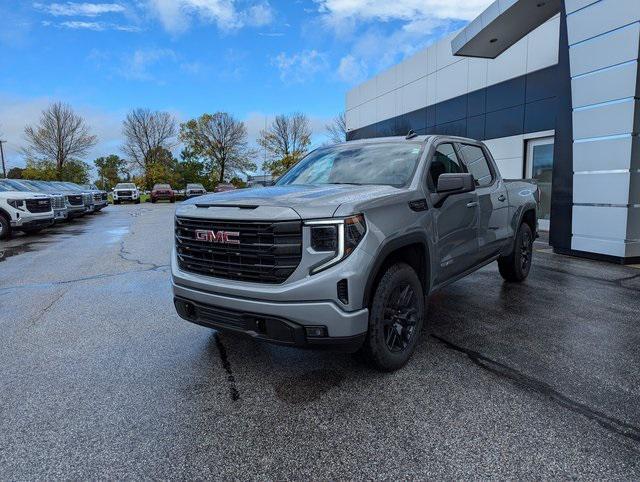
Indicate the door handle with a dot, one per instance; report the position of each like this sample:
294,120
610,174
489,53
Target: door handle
502,198
472,204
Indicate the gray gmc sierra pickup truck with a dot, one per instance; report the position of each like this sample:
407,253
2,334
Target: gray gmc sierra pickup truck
345,248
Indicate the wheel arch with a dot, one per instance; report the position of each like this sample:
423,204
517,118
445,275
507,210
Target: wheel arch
5,214
413,249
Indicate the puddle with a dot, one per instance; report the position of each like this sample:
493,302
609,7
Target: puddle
308,387
11,251
115,235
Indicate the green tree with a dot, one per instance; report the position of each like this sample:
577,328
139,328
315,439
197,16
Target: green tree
73,171
222,142
161,168
285,141
111,170
15,173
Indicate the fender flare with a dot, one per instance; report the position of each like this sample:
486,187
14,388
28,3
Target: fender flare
388,247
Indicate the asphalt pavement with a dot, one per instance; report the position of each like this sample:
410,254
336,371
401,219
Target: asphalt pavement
100,379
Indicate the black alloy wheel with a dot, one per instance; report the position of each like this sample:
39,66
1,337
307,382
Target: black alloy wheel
400,318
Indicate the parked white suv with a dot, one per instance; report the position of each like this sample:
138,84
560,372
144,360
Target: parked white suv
23,211
124,192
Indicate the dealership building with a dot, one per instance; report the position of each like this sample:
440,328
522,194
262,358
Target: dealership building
552,88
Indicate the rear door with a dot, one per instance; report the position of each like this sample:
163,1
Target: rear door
456,220
492,199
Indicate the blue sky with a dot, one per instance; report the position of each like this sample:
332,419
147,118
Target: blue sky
252,58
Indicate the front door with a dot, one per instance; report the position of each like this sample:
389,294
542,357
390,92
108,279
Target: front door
540,169
456,220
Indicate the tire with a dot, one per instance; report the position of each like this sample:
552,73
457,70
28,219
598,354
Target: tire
137,201
517,265
5,228
172,200
153,201
116,203
395,319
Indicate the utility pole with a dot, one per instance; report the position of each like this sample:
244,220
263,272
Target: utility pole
4,168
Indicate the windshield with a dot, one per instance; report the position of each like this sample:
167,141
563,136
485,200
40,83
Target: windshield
17,185
385,163
162,186
125,186
40,185
4,187
195,186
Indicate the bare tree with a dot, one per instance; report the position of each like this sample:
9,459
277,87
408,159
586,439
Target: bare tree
144,132
286,141
337,129
60,135
222,141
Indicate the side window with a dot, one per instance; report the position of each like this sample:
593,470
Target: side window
477,164
445,161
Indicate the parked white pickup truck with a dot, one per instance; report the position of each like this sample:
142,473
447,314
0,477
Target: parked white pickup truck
23,211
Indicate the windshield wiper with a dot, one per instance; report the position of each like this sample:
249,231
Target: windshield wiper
347,183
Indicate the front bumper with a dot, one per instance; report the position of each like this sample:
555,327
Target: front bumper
30,223
75,211
289,319
263,327
60,215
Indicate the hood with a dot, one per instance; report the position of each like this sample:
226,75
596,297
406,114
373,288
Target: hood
309,202
23,195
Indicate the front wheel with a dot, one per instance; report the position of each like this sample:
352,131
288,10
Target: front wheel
517,265
137,201
396,318
5,227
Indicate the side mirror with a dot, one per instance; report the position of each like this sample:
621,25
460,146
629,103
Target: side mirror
455,183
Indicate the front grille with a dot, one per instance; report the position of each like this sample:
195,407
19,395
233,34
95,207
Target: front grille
38,205
75,200
123,193
104,196
88,199
58,202
269,252
97,197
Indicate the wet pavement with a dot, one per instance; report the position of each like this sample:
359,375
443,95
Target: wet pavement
100,379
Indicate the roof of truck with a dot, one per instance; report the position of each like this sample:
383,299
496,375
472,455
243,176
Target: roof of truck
418,138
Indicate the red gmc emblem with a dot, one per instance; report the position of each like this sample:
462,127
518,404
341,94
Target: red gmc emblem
219,237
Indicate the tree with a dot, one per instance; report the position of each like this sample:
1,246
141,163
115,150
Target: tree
72,171
161,168
222,141
337,129
61,136
15,173
144,131
286,141
111,170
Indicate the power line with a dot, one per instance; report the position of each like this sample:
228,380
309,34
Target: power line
4,167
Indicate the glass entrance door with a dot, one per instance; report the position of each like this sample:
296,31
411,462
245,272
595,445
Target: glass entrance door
540,168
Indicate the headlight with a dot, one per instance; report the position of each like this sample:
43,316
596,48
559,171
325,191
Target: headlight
16,203
338,236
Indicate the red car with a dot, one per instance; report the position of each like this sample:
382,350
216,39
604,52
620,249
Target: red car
163,192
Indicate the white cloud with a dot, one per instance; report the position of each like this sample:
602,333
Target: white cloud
137,65
351,69
71,9
301,66
95,26
407,10
177,15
